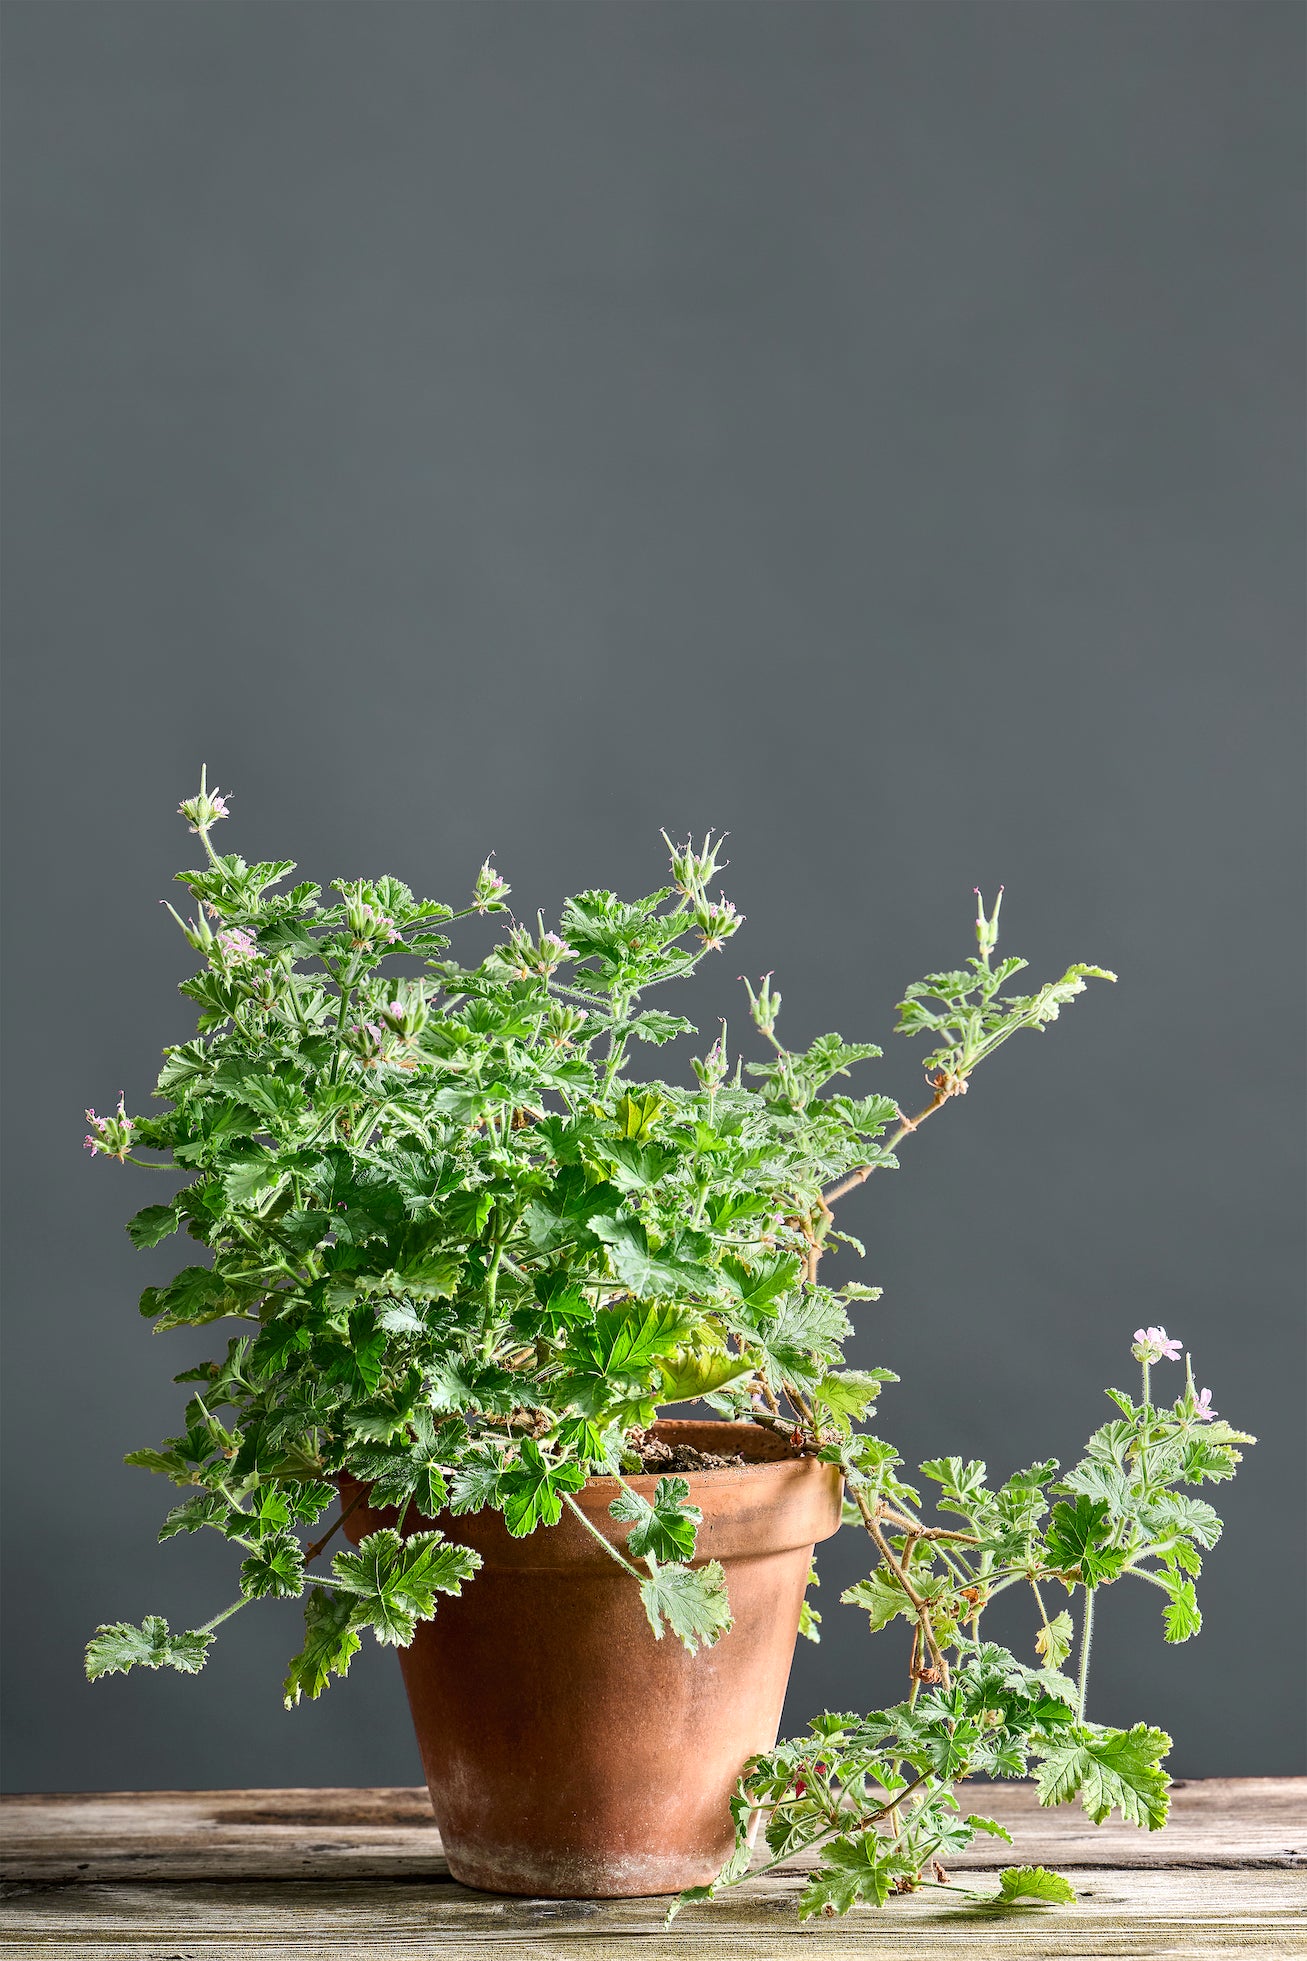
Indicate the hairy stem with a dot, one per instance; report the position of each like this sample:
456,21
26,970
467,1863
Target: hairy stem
1086,1642
905,1129
225,1615
595,1533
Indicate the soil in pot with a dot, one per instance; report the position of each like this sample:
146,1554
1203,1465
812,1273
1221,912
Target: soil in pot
568,1753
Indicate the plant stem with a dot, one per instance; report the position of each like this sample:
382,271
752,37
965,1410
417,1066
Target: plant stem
1086,1642
905,1129
594,1531
218,1619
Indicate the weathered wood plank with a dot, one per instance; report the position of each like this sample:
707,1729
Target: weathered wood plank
389,1834
1159,1914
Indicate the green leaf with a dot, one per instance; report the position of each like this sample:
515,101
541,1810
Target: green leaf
691,1600
859,1868
195,1295
1055,1641
1076,1539
429,1276
475,1484
395,1581
275,1568
849,1393
531,1491
666,1527
1182,1618
154,1223
650,1275
1033,1883
1108,1767
637,1116
990,1825
277,1341
120,1646
170,1463
655,1027
206,1508
614,1360
330,1643
411,1475
251,1178
881,1597
760,1284
703,1366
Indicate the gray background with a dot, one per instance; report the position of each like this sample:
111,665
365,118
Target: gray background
872,428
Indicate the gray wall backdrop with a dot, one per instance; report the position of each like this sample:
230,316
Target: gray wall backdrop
873,428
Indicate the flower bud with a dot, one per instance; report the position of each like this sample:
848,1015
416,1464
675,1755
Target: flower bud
527,955
405,1013
691,869
987,928
713,1067
765,1005
564,1024
490,890
196,932
366,1040
205,810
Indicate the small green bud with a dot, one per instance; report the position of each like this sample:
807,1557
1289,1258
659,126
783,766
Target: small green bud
987,928
713,1069
765,1005
716,922
490,890
691,869
405,1013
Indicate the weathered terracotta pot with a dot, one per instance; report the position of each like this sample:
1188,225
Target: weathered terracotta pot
568,1753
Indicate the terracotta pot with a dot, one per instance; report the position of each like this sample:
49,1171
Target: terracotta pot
568,1753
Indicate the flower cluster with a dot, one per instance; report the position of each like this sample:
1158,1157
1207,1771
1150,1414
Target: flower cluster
537,956
716,920
203,811
112,1136
1155,1345
371,926
693,870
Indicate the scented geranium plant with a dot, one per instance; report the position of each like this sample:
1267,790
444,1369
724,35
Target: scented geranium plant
471,1249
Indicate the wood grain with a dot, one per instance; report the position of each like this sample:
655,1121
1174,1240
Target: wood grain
390,1834
267,1875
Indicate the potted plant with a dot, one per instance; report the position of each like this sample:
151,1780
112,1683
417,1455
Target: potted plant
473,1252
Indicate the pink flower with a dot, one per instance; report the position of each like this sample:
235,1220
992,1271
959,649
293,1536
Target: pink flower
1203,1407
237,946
1155,1345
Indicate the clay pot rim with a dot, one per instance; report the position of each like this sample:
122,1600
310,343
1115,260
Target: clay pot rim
722,1430
745,1514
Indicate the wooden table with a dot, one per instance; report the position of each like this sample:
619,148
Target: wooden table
358,1876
